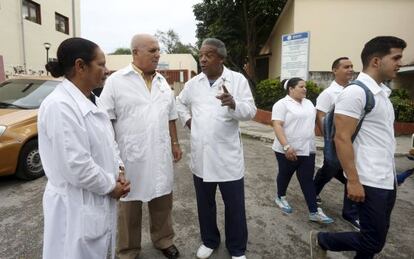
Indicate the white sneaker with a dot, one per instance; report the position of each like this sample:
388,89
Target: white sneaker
283,204
204,252
320,217
238,257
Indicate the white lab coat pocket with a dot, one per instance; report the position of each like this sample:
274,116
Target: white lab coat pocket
135,147
95,221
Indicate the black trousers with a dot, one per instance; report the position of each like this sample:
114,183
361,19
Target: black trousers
323,176
374,219
304,168
235,216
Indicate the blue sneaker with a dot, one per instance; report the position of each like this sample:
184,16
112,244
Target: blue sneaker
283,204
320,217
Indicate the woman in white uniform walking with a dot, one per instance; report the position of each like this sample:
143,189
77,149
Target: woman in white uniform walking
78,153
293,119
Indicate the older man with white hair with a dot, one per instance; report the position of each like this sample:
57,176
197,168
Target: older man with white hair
211,106
141,106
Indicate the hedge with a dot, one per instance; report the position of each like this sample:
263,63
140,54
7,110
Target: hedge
270,91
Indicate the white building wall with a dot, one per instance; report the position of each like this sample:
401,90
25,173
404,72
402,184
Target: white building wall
14,48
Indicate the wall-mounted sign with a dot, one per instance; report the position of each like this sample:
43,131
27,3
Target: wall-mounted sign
295,55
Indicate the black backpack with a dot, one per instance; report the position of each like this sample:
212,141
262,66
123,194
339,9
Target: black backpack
329,151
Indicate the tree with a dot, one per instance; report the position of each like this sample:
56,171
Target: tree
243,25
121,51
170,43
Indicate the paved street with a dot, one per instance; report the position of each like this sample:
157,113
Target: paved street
271,234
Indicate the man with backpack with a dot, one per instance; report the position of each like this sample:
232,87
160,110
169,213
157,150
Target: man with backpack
368,161
342,68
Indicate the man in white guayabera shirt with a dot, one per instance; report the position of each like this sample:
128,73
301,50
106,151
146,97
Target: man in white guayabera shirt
368,162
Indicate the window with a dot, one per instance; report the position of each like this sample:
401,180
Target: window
62,23
31,11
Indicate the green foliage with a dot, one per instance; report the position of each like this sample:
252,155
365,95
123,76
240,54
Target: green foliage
171,43
122,51
270,91
403,105
313,91
243,25
401,93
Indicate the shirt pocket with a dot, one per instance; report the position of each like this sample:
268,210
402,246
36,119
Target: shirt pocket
95,221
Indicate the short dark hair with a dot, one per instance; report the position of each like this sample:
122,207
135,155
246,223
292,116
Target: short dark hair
68,51
291,83
335,64
379,47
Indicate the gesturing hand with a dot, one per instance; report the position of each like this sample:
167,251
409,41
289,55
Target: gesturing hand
227,99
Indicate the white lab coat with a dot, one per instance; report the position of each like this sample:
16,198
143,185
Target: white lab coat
76,144
216,147
141,121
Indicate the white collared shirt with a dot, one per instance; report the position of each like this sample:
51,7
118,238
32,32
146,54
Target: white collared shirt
216,147
298,124
326,100
141,122
374,145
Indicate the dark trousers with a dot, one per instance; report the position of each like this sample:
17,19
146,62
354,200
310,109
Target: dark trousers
235,215
323,176
374,219
304,167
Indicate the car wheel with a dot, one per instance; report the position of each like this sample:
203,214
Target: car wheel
30,166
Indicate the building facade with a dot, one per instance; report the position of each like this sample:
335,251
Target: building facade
175,67
341,28
29,27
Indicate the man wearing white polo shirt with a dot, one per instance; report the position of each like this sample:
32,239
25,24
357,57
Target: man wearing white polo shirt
368,162
343,70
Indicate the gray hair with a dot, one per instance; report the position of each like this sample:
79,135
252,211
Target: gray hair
218,44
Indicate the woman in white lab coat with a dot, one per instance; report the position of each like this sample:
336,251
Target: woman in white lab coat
78,153
293,119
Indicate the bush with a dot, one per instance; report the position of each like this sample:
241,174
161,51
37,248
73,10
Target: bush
403,108
270,91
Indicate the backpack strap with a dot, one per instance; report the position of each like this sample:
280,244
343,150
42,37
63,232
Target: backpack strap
369,104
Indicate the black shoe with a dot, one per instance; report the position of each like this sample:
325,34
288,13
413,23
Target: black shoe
354,223
171,252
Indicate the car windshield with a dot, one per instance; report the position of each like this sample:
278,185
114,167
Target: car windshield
25,93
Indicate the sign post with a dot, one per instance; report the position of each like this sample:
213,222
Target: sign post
295,55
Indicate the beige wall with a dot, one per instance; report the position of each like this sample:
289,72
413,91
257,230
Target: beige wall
174,61
341,28
284,25
34,34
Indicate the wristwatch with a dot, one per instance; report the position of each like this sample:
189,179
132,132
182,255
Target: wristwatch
286,147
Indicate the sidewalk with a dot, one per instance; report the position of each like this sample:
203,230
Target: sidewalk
265,133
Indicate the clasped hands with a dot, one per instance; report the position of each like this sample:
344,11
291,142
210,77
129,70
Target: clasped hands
122,187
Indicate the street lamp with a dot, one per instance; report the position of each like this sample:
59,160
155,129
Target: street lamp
47,47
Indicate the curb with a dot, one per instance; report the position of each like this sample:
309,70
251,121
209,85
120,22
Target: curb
318,147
